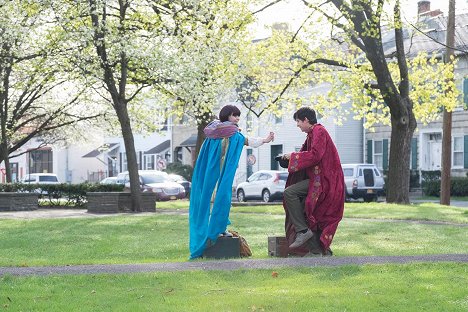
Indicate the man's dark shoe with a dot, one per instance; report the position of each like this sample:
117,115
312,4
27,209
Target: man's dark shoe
301,238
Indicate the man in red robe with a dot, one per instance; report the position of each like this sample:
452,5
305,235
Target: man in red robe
314,195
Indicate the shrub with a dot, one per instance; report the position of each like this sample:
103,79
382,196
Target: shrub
458,187
62,194
432,175
177,168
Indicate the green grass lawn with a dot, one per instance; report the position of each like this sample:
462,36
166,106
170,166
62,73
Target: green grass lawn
164,237
408,287
137,238
422,211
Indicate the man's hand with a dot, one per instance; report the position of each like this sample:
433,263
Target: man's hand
286,156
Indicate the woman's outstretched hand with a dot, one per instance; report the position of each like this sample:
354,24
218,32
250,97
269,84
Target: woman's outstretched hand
269,138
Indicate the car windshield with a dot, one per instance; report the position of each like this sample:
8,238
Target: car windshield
283,176
175,177
48,179
153,178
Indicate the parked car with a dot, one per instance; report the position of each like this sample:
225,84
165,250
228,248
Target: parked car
263,184
42,178
155,181
182,181
109,180
363,181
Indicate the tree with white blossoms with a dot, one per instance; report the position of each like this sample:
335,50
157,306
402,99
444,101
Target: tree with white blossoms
36,96
175,52
386,89
206,60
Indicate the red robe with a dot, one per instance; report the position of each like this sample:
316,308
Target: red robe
319,162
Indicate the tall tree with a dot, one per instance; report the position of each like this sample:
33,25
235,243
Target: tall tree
206,53
353,66
119,50
36,97
132,52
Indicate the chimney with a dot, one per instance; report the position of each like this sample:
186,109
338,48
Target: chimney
424,6
424,10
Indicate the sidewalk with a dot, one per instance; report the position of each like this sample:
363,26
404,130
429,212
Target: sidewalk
271,263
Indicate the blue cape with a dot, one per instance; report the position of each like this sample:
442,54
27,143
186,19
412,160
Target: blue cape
215,168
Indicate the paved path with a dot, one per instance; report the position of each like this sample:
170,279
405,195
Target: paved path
272,263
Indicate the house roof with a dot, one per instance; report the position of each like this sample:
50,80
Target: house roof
104,148
190,142
433,37
159,148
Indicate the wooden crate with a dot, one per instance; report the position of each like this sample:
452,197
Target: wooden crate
278,246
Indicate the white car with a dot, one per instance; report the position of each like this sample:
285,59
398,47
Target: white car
263,184
363,181
109,180
41,178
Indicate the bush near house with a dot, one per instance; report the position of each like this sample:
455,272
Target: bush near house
430,175
61,194
414,179
458,187
180,169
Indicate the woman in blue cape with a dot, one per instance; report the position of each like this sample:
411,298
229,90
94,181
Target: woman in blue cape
210,197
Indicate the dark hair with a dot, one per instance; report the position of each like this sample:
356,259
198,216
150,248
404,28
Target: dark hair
304,112
227,111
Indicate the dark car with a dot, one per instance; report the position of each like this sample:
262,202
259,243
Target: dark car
157,182
182,181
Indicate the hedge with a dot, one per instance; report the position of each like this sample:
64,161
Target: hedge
61,194
458,187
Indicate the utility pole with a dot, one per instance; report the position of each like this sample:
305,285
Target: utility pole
447,122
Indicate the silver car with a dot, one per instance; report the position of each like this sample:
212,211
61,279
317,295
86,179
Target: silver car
263,184
363,181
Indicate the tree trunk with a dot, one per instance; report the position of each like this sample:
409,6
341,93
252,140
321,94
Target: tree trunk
399,160
202,122
4,153
447,122
200,139
132,164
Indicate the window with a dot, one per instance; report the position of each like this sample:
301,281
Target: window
465,92
249,121
149,162
458,156
348,172
254,177
40,161
378,154
124,162
278,119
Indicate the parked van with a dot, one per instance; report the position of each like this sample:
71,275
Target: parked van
363,181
